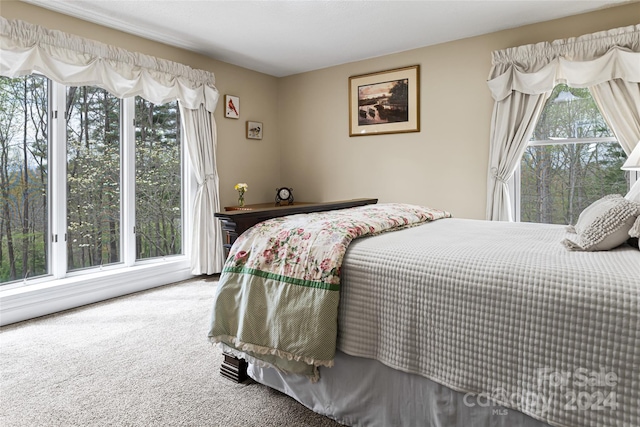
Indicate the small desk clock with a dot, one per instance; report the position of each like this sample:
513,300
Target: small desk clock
284,194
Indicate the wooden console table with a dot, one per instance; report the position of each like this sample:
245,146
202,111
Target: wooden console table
236,220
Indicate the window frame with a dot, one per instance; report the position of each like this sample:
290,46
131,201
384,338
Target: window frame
515,182
57,205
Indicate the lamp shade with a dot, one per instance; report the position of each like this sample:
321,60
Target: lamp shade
633,161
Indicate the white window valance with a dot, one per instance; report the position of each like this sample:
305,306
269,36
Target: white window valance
522,78
583,61
26,48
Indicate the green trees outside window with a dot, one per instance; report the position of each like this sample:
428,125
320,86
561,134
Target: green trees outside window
93,177
572,160
24,176
102,134
158,180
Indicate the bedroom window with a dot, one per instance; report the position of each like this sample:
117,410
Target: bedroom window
93,177
158,183
572,160
24,178
88,181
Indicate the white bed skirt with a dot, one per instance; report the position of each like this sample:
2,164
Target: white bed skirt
364,392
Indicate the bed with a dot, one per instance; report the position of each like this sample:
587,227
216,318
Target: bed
458,322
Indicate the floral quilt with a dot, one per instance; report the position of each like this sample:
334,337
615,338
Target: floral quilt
277,298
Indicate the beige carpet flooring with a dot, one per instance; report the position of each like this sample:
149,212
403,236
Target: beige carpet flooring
138,360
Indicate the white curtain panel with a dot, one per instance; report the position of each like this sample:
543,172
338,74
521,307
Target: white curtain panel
207,252
533,71
26,48
512,124
619,102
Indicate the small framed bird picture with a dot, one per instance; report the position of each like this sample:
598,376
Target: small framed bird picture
254,130
231,107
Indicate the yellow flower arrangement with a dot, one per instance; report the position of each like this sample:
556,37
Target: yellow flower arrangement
241,188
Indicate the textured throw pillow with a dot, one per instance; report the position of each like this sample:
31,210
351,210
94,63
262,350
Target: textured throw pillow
634,193
604,224
635,230
634,240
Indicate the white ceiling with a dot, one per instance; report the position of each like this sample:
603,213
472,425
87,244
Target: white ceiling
281,38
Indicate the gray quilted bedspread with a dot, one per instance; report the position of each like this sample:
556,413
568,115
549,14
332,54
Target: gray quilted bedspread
502,311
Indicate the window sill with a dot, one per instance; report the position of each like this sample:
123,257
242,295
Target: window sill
39,299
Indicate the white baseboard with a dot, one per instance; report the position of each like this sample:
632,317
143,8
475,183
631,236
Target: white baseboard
30,301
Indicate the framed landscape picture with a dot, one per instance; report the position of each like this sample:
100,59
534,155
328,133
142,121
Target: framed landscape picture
385,102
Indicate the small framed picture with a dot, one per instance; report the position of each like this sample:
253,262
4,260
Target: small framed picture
254,130
231,107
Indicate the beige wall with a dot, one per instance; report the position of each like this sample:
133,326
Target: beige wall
256,162
306,143
442,166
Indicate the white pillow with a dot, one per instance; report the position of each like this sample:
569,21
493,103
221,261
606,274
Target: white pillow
604,224
635,230
634,193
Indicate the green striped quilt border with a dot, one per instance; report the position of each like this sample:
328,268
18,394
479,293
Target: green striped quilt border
281,278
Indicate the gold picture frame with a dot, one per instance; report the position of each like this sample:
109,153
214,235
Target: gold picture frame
385,102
